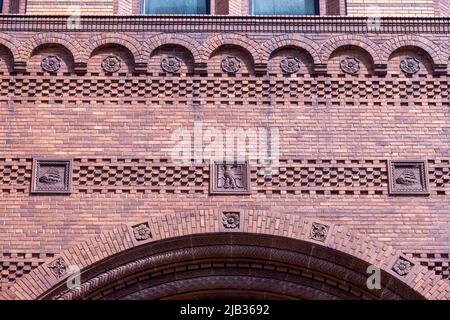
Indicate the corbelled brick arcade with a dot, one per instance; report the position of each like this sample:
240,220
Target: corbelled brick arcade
359,106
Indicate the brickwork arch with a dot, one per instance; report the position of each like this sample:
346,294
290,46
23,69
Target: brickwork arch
190,44
8,42
130,43
431,48
71,44
364,43
289,40
106,258
215,42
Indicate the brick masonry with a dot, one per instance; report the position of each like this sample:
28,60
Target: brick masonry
337,132
410,8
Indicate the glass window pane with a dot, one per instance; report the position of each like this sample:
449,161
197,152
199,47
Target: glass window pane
285,7
175,6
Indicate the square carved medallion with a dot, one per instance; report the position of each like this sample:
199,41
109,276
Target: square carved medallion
408,177
51,176
230,178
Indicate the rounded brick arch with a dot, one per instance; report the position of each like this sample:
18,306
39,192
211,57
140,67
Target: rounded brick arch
215,42
363,43
69,43
330,250
128,42
190,44
288,40
431,48
8,42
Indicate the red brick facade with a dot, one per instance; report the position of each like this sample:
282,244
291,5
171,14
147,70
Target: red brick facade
343,99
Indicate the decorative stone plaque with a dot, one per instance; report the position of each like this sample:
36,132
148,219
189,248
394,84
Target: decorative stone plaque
230,178
51,176
408,177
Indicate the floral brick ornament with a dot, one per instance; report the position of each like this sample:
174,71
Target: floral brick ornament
111,64
410,65
171,64
290,65
402,266
231,64
231,220
350,65
142,232
319,231
58,267
51,64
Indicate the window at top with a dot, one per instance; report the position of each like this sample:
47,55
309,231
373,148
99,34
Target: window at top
284,7
175,7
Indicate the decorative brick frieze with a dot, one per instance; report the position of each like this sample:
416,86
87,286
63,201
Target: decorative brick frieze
294,176
408,177
51,176
177,90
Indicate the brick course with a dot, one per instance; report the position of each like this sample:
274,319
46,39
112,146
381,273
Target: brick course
337,132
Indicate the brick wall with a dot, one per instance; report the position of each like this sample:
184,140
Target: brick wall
398,8
73,7
235,7
337,131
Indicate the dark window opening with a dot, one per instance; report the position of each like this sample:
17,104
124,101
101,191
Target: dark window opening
284,7
175,7
14,6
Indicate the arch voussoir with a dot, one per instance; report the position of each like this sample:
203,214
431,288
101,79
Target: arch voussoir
322,240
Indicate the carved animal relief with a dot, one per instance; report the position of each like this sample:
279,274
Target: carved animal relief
230,178
408,177
51,176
